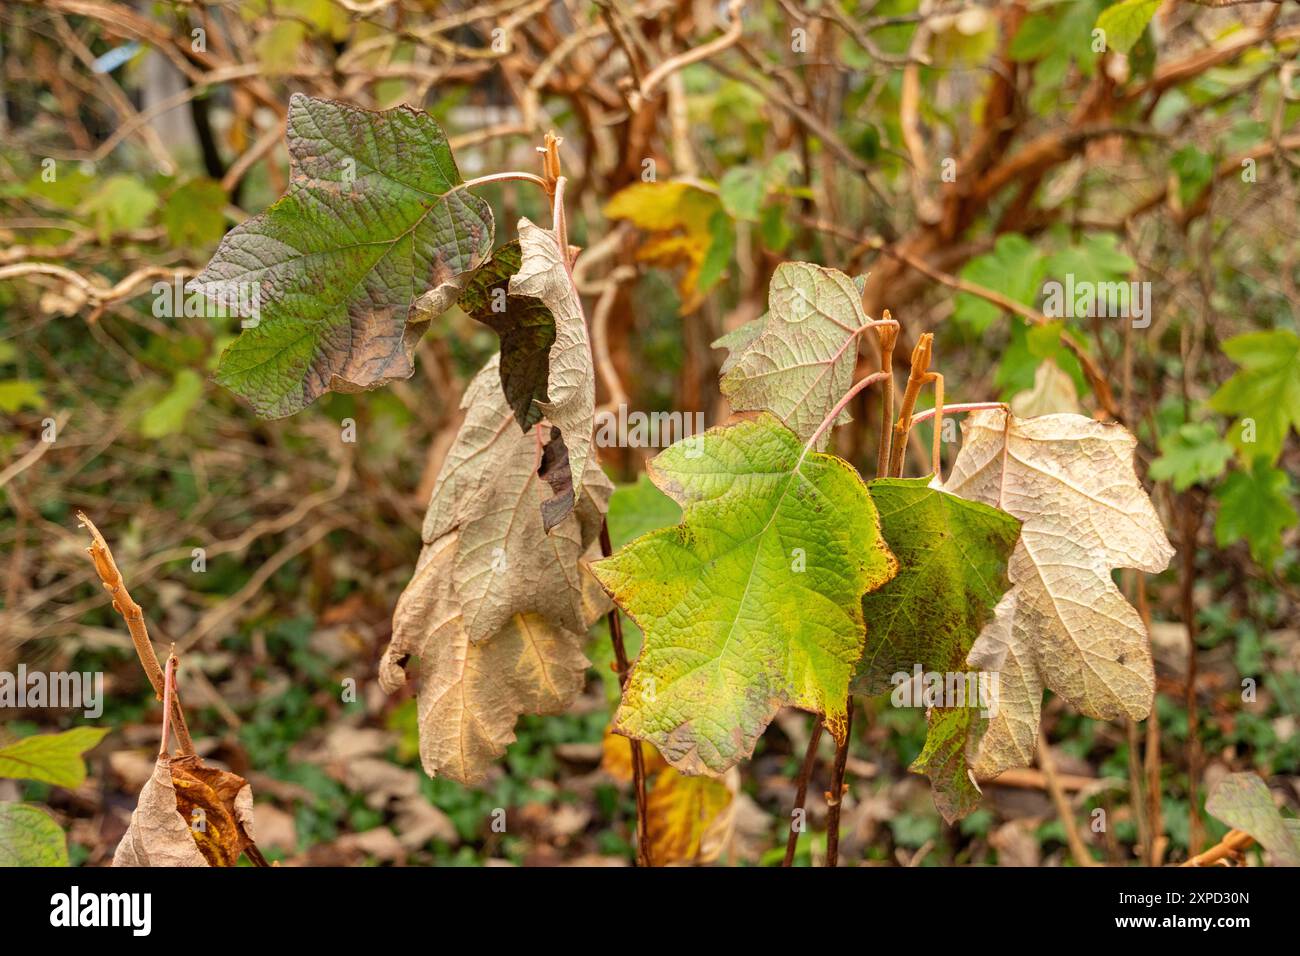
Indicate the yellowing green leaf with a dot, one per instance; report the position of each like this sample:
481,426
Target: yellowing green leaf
1124,22
51,758
18,393
952,569
754,601
616,757
679,218
30,837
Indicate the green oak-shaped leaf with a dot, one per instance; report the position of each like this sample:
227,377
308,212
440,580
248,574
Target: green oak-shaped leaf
797,361
754,601
952,569
1242,801
30,837
51,758
525,327
1256,505
1265,392
371,240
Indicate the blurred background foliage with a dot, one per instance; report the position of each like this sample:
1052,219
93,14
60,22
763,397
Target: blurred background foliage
958,155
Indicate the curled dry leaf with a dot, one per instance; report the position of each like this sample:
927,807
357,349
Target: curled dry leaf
1053,392
189,814
497,608
525,327
1064,625
490,492
472,693
571,382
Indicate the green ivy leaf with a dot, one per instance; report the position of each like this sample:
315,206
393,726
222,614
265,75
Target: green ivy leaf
1265,391
1097,258
168,415
30,837
374,237
1125,22
19,393
1028,348
194,215
51,758
119,204
1194,169
754,601
742,189
952,570
1194,454
1255,505
1014,268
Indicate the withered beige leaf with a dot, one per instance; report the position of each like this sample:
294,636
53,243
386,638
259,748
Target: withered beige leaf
1053,392
188,814
571,386
490,492
1064,625
797,361
497,608
471,693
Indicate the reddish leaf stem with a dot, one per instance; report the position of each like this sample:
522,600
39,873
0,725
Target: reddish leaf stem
801,794
638,759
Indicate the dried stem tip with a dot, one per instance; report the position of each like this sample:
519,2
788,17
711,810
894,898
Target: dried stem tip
921,356
888,335
551,160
